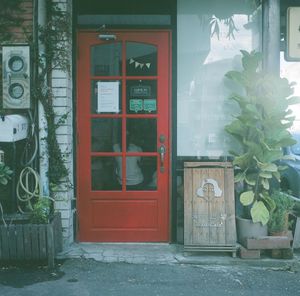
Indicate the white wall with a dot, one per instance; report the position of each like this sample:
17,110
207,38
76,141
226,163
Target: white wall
62,90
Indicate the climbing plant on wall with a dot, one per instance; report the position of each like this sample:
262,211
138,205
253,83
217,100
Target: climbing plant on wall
55,36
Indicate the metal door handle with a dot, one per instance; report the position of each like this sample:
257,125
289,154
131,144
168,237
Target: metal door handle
162,152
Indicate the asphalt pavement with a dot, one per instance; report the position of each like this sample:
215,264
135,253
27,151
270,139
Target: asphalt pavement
88,277
89,269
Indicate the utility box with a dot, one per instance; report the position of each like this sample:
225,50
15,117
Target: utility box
13,127
209,207
16,76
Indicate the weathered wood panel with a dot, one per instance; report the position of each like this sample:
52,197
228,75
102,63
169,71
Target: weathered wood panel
20,243
209,210
42,242
31,242
4,243
27,242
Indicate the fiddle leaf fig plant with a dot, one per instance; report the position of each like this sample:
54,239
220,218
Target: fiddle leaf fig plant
261,129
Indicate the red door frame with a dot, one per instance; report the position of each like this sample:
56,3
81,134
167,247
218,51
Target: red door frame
85,195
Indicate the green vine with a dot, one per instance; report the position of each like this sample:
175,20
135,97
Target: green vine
55,36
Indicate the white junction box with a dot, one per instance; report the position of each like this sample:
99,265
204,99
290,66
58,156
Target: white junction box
13,128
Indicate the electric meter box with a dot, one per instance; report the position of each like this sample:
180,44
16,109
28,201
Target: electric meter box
16,76
13,128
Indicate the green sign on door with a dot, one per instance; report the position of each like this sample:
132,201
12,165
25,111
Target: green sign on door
136,105
149,105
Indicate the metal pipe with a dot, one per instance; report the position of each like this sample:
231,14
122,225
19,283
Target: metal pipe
271,36
43,147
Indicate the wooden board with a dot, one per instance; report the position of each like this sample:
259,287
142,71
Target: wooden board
209,209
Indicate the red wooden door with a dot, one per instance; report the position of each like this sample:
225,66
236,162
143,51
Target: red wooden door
123,116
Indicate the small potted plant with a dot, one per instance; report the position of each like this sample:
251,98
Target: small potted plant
278,222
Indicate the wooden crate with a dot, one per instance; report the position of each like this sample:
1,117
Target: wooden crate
31,242
209,208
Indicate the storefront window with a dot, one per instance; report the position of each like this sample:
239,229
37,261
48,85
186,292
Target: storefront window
291,71
210,38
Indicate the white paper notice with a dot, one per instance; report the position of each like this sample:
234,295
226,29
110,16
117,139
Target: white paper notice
108,96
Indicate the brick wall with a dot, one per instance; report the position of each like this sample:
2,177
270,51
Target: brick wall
23,32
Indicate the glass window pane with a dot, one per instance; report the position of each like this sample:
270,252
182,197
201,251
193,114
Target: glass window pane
141,96
103,174
141,133
219,33
106,96
105,132
106,59
141,173
141,59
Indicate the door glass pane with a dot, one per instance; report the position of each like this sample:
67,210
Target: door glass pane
106,96
141,173
141,96
141,59
104,174
106,59
141,134
105,133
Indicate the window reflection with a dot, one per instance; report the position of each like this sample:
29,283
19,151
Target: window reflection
103,174
141,59
203,107
106,60
143,131
105,132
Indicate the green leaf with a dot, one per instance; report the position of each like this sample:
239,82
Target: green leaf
287,157
235,128
236,77
282,167
242,161
293,100
251,179
269,167
260,213
266,175
239,177
277,176
3,181
247,198
268,201
265,183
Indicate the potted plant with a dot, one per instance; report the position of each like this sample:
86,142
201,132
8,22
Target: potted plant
36,236
278,222
261,130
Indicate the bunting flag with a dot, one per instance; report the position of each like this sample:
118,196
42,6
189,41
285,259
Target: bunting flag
138,64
